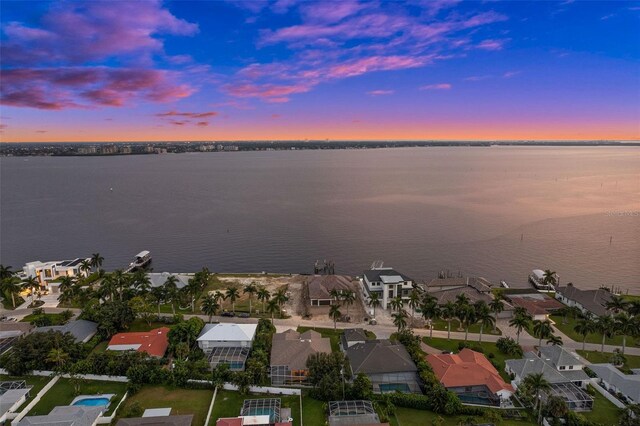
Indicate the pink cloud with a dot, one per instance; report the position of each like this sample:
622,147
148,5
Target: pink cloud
267,92
380,92
188,114
376,63
59,88
202,123
491,44
510,74
439,86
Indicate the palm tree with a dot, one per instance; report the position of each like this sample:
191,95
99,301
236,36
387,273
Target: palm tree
448,312
520,322
396,303
462,301
584,326
634,307
483,315
467,316
232,295
336,295
554,340
250,289
210,306
334,314
616,304
400,319
171,291
57,357
85,266
549,278
414,301
348,297
430,311
263,296
374,302
281,296
542,330
159,294
11,285
538,384
273,307
141,282
626,326
33,285
66,288
606,326
96,261
496,306
107,288
5,272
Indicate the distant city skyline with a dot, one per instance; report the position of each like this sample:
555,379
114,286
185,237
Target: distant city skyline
348,70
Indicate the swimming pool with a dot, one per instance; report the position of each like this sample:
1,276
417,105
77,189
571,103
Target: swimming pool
392,387
93,400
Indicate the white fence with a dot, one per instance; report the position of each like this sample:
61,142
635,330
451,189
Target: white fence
35,400
257,389
615,401
108,419
98,377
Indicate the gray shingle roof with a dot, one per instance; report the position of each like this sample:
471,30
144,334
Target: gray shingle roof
592,300
81,330
628,384
379,356
320,286
73,415
374,275
532,364
559,356
292,348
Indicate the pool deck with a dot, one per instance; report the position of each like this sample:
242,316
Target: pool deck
107,396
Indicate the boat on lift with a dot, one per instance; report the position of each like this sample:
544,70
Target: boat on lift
141,261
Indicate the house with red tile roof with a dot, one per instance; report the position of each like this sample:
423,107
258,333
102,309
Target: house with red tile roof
154,342
471,376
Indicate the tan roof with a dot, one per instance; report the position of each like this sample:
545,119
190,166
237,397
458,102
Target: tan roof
320,286
292,348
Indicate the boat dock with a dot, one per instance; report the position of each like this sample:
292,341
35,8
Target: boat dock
141,261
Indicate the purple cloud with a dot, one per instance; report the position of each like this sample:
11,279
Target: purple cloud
439,86
381,92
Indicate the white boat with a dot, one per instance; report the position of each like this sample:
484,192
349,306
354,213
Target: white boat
504,284
141,260
537,280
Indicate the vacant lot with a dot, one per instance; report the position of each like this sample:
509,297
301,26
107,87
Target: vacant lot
568,329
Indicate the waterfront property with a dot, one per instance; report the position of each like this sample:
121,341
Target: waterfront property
158,279
538,305
227,343
81,330
388,365
153,343
76,415
537,279
482,285
590,302
321,286
474,288
343,413
289,353
49,273
388,284
616,382
563,370
471,376
259,412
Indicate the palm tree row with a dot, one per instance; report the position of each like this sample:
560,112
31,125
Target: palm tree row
271,303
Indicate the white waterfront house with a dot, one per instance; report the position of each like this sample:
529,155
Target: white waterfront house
48,272
227,344
388,284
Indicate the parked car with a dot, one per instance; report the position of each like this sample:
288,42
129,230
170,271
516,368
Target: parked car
243,315
227,314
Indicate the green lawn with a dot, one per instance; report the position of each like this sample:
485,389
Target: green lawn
229,404
591,338
56,319
313,412
37,383
333,335
141,325
181,401
100,347
603,412
489,347
412,417
633,361
474,328
62,393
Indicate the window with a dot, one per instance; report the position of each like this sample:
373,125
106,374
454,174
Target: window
562,367
571,367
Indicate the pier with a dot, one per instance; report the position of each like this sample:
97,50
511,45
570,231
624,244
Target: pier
141,261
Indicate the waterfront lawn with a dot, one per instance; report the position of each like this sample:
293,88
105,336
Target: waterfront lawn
633,361
36,383
474,328
62,393
181,401
229,404
604,412
413,417
333,335
488,347
56,319
313,412
592,337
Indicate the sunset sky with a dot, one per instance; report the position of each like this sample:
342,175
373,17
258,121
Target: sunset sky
283,69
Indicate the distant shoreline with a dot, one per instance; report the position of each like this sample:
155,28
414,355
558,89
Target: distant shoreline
92,149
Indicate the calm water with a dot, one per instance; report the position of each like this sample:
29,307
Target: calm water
494,212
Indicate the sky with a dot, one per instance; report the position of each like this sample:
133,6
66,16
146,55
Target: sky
340,70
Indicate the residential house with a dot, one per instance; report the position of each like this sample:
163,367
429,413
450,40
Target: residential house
615,381
591,302
72,415
81,330
289,353
227,343
260,412
321,286
562,369
158,279
471,376
388,284
49,273
538,305
153,343
180,420
388,365
352,336
482,285
12,395
345,413
10,332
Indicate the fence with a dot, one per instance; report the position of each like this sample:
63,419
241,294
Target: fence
255,389
35,400
615,401
98,377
